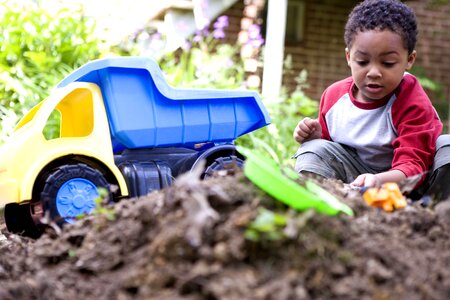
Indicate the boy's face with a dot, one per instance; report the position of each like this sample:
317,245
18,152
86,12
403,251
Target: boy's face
377,59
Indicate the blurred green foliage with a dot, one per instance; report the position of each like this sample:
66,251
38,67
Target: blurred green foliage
38,49
435,91
276,140
203,61
431,86
204,64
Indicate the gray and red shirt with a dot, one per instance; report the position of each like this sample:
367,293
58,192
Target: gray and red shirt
398,133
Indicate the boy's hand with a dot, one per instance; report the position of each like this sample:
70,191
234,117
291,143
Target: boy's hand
307,129
366,180
376,180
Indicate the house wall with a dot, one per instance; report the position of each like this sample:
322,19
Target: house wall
321,52
235,14
433,49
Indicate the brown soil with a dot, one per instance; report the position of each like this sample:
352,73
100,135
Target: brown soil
188,242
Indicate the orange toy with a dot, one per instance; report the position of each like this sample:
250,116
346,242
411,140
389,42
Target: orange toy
388,197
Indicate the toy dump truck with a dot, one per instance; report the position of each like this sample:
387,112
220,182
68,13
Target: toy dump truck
120,125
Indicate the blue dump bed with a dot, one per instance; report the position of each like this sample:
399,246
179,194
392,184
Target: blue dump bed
145,112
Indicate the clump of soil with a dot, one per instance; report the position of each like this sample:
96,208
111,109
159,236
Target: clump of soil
189,242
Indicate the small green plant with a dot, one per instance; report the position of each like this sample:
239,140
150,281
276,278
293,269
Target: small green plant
101,208
277,226
267,225
72,253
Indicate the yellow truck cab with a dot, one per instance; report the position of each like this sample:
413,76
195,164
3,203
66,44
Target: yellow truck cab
29,157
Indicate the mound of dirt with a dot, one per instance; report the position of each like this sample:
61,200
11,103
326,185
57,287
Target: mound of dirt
193,241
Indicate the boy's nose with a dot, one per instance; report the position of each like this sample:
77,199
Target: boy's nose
374,72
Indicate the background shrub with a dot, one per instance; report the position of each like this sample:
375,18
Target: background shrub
37,50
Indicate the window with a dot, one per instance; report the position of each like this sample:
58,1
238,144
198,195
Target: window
295,21
72,117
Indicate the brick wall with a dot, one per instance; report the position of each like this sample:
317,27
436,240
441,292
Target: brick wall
433,48
322,51
235,14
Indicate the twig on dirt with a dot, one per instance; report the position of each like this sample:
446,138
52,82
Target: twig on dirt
199,213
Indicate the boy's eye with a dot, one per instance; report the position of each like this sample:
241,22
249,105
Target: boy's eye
388,64
362,62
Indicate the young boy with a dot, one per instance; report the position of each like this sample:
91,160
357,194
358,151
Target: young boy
378,125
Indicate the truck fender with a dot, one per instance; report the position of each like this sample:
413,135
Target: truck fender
111,171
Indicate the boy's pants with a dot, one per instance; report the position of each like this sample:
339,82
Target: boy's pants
333,160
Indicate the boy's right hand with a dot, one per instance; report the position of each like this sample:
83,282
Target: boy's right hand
307,129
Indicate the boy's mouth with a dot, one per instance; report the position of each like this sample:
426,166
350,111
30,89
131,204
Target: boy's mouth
373,88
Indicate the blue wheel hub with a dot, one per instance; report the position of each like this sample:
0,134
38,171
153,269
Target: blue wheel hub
75,197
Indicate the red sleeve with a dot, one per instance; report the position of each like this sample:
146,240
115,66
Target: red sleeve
418,127
329,97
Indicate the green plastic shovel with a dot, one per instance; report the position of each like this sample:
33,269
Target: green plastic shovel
281,184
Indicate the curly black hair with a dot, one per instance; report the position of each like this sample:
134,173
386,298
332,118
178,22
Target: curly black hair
383,14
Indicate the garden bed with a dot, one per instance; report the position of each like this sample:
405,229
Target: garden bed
189,242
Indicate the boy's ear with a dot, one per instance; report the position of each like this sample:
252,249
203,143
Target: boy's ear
411,60
347,56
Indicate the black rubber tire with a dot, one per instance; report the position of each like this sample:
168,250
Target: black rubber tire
62,175
223,163
18,220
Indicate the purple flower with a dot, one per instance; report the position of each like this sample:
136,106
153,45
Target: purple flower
205,31
135,35
186,46
257,42
254,31
218,33
198,36
254,35
221,22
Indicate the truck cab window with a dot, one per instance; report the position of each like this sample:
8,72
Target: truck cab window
73,116
53,125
